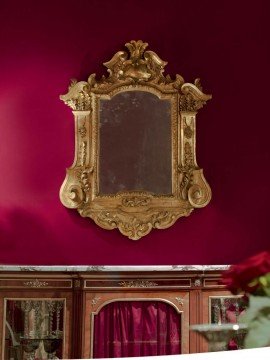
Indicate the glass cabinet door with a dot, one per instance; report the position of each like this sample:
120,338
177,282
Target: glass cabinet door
227,309
34,329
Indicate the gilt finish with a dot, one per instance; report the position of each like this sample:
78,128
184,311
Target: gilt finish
135,213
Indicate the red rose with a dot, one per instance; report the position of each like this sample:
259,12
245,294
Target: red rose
239,277
232,345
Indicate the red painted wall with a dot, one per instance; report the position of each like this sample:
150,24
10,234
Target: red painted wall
45,43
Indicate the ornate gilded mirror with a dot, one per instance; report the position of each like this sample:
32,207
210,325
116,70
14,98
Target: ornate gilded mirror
135,163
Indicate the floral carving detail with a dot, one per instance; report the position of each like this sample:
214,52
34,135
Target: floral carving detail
189,161
192,98
78,96
95,300
188,132
139,66
186,170
83,153
135,201
186,180
82,131
85,181
133,226
36,284
180,300
138,284
135,214
187,103
197,282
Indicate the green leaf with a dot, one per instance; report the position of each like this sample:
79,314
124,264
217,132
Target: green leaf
257,317
256,305
258,333
267,291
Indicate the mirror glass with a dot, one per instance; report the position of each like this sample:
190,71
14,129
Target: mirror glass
135,143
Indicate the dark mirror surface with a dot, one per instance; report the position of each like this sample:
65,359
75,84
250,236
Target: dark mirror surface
135,144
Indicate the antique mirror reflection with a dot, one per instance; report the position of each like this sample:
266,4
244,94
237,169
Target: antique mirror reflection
135,143
135,165
33,329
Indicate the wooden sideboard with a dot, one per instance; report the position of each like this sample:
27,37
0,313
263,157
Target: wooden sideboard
86,289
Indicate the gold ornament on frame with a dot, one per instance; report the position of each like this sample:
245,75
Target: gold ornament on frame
135,163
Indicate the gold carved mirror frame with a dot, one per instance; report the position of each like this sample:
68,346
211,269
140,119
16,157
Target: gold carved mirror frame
135,211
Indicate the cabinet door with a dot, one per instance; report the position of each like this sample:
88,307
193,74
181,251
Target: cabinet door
35,324
95,302
221,307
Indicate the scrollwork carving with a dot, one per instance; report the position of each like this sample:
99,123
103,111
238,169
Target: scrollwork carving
136,226
138,284
76,196
78,96
135,213
135,201
199,194
179,300
95,300
192,98
139,66
36,284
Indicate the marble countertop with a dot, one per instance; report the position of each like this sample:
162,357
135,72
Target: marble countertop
118,268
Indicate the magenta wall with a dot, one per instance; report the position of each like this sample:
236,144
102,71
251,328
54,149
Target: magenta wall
45,43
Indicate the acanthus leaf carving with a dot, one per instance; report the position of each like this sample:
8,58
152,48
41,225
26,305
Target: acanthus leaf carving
78,96
135,201
135,226
139,66
135,213
192,97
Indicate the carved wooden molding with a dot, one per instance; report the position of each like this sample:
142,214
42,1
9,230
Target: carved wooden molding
135,213
95,300
36,283
179,300
138,284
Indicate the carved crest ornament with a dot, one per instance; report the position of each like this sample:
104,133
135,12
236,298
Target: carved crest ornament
135,212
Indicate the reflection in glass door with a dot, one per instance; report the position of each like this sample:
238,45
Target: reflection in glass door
33,329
